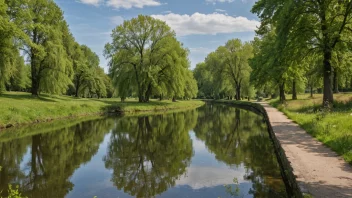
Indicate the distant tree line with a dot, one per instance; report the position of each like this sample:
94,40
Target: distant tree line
301,46
38,53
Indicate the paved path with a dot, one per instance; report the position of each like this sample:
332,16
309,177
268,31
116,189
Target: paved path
320,171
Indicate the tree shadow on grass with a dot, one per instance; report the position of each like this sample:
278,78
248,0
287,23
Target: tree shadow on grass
26,97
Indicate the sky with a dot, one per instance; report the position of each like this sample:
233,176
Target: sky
201,25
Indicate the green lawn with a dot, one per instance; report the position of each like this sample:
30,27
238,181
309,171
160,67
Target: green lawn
21,108
333,128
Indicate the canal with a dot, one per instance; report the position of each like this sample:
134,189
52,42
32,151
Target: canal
210,152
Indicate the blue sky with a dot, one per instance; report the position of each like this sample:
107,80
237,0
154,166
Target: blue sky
201,25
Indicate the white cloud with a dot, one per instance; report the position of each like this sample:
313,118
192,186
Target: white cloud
213,24
219,1
91,2
198,177
167,12
116,20
220,10
127,4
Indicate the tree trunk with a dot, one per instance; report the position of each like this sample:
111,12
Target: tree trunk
76,93
35,78
238,92
77,88
35,86
282,93
160,97
294,91
140,98
34,62
328,97
148,93
311,91
336,82
173,99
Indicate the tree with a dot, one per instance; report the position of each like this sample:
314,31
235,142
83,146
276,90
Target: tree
204,80
221,85
11,36
51,69
226,70
146,53
236,55
309,26
268,65
20,78
191,88
88,76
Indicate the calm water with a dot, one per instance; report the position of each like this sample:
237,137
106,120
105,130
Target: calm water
214,151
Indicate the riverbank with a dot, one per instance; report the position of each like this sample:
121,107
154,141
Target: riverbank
18,108
318,170
333,128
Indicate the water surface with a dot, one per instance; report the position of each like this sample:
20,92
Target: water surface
213,151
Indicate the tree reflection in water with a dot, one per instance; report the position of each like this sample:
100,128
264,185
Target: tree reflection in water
240,137
53,158
148,154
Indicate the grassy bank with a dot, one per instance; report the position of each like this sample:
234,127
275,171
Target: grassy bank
21,108
332,127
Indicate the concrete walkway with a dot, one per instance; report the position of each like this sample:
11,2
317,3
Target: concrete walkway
320,171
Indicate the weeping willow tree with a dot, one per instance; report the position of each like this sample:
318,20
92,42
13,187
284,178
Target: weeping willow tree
229,69
42,21
145,58
11,36
89,79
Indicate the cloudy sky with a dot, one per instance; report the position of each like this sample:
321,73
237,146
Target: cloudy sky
202,25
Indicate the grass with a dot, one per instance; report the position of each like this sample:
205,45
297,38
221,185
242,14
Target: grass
332,127
21,108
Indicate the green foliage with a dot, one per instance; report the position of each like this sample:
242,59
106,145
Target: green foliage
233,191
38,30
306,29
8,48
226,71
146,59
14,193
89,79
